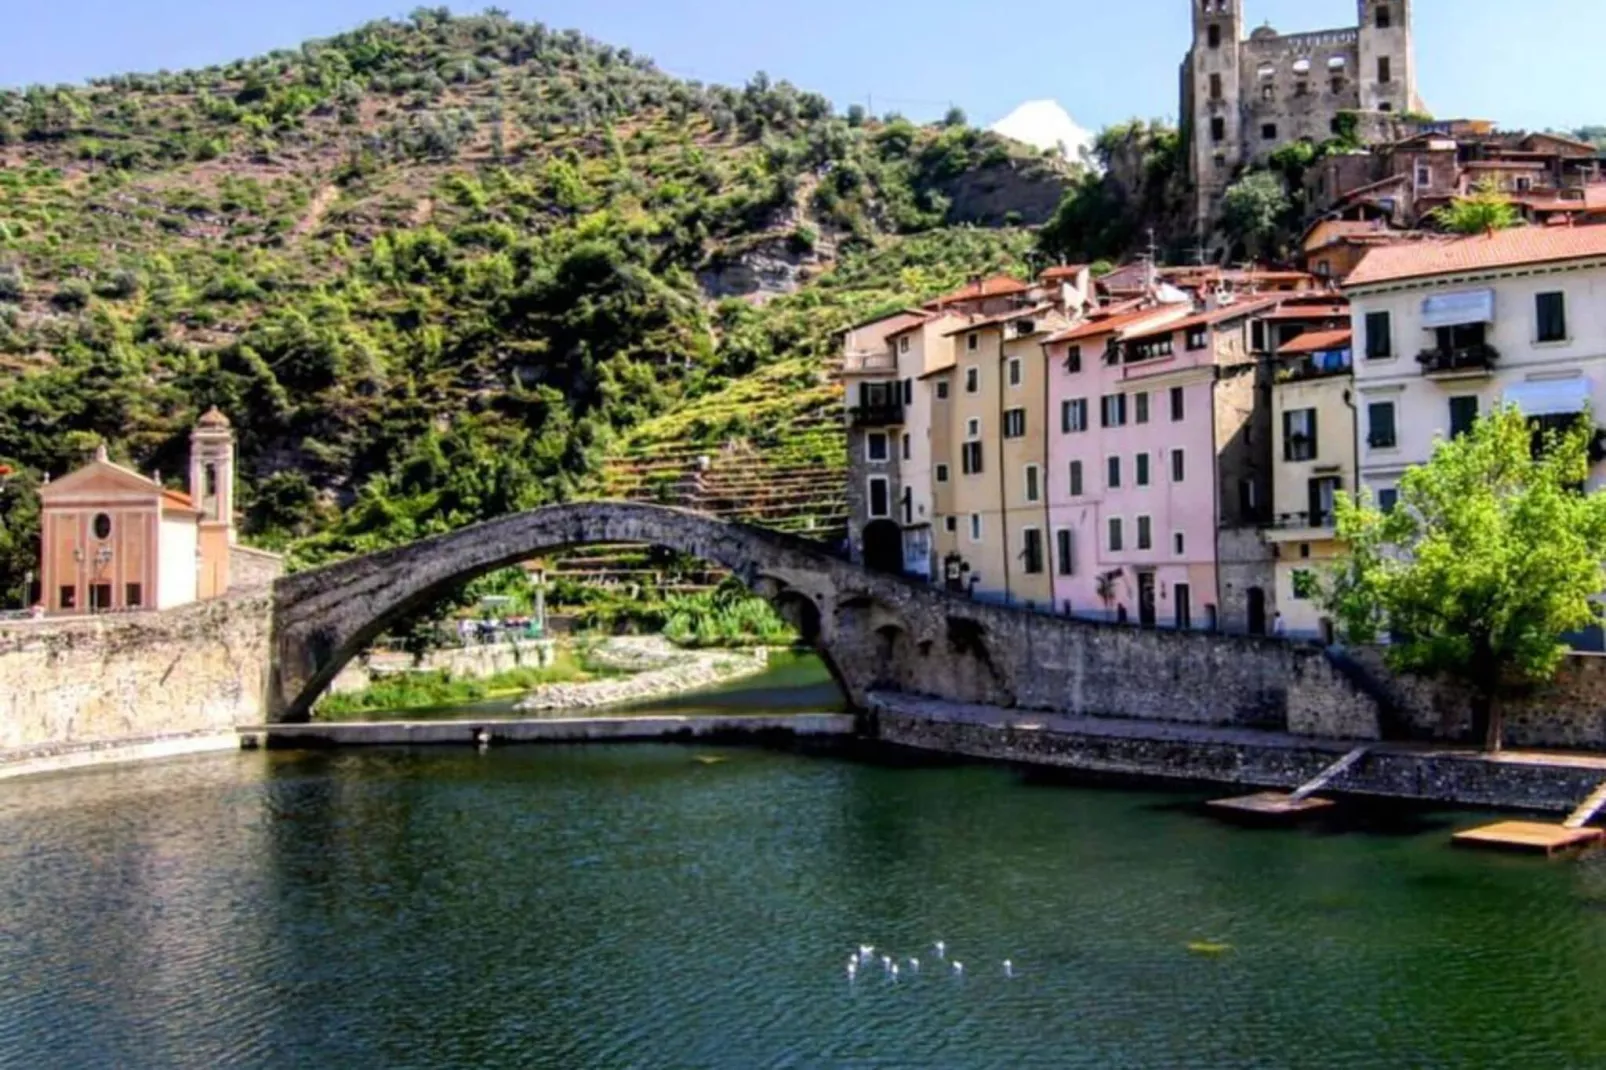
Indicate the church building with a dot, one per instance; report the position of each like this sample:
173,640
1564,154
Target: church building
113,540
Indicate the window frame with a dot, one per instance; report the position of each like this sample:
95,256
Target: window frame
1379,328
942,390
1064,552
870,439
1032,564
1016,374
1140,407
1114,535
978,529
1077,480
870,484
1179,465
1141,470
1145,533
1373,439
1015,423
1556,317
1179,407
1459,400
972,380
1033,476
1112,472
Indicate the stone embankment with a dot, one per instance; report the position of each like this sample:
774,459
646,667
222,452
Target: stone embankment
657,668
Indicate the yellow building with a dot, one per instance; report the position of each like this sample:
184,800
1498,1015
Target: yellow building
113,540
1314,453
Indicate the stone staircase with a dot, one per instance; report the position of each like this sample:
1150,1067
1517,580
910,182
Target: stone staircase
1587,809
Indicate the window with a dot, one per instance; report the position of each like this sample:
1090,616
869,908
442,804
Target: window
1303,584
942,473
1034,485
209,475
133,596
1073,415
1388,499
972,380
1385,72
1076,479
1385,17
1115,534
1176,404
1525,185
1179,468
102,526
1065,552
1015,423
69,597
1381,433
1257,336
1145,533
1299,435
1302,87
972,342
1112,473
1141,404
973,428
975,527
1215,87
1268,92
100,597
1463,414
1179,544
904,451
1073,359
970,459
950,524
1424,176
908,391
1218,128
875,447
1379,340
880,497
1032,551
1112,410
903,344
1322,499
1198,337
1014,371
1142,463
1268,131
1552,314
942,390
1213,35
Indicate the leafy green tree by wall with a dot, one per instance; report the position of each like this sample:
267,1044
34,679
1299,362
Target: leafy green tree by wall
1485,210
1491,555
1253,210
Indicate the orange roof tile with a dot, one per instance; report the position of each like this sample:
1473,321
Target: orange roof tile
1308,312
1206,319
997,286
1000,318
1506,248
172,499
1319,341
1062,271
1108,324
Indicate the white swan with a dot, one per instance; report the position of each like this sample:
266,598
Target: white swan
914,965
941,948
959,968
1009,968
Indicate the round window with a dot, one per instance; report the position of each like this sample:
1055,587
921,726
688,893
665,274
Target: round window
103,526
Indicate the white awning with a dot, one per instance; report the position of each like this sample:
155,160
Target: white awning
1551,397
1458,309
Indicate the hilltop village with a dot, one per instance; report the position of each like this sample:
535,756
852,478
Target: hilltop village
1164,446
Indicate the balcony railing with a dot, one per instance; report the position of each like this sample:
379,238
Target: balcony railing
1304,369
1462,360
887,415
1325,521
874,361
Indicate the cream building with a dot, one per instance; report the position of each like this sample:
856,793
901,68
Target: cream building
1446,332
1313,461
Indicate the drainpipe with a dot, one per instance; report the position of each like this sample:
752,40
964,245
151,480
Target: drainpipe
1003,477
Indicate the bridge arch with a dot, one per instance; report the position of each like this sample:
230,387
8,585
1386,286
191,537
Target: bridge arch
325,617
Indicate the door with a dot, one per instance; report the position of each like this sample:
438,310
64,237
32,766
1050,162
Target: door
883,547
1183,595
1257,611
1146,615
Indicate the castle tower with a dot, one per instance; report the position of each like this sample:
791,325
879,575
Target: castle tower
1213,97
1388,63
212,490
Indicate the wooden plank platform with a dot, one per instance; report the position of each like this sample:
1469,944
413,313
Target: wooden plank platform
1529,837
1271,805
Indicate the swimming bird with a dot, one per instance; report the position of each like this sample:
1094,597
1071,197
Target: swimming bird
894,971
959,968
1009,968
886,962
941,948
865,951
853,968
914,965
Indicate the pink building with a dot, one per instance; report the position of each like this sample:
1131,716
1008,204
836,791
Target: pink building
1154,452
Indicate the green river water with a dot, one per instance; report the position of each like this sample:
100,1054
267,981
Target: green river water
634,906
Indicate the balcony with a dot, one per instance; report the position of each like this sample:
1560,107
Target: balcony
887,414
1460,362
863,363
1301,527
1313,366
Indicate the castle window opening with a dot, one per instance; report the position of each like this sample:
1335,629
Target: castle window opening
1268,131
1218,128
1385,72
1385,17
1214,36
1268,92
1215,87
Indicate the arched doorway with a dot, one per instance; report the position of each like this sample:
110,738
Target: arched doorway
883,547
1257,611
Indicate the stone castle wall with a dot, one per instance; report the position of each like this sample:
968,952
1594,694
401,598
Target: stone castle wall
82,683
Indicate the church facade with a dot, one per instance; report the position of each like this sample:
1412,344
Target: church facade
1243,98
113,540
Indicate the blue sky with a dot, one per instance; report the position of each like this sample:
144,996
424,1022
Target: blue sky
1104,61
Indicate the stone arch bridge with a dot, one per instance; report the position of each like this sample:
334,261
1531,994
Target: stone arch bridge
876,632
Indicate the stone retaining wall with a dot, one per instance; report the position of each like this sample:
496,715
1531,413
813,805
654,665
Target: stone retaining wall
72,684
470,662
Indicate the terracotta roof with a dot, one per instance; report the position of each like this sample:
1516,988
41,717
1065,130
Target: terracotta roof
174,500
1063,271
1308,312
997,286
1206,319
212,418
1506,248
1000,318
1319,341
1393,180
1108,324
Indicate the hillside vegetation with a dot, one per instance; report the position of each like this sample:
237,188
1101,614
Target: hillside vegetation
441,269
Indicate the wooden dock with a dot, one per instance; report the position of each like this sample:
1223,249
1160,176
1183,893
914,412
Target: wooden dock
1528,837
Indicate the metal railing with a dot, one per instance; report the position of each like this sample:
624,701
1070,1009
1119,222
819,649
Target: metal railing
886,415
1473,358
1325,520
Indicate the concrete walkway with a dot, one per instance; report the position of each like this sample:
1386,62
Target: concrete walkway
543,730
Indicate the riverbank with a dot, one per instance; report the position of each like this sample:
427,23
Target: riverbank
655,669
548,730
1238,758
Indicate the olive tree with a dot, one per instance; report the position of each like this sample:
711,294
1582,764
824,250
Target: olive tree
1492,553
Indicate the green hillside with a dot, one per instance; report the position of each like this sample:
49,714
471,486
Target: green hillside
441,269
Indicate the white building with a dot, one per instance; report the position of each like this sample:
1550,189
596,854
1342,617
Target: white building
1447,331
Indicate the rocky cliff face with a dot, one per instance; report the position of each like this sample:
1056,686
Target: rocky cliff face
1019,192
